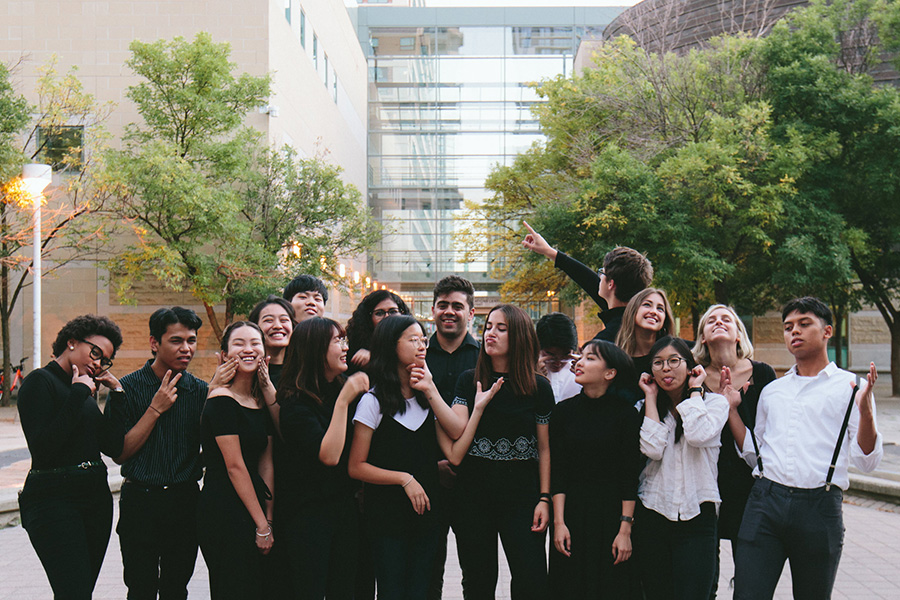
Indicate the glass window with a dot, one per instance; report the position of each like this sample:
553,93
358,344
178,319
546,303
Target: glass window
334,87
407,43
302,28
315,51
287,10
61,147
326,70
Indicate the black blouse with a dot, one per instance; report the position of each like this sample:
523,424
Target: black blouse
62,423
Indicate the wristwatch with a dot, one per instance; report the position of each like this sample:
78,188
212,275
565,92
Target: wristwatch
626,519
697,389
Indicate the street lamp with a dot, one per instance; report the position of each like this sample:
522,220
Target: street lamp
36,177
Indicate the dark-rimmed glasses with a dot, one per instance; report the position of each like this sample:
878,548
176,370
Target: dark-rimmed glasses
97,354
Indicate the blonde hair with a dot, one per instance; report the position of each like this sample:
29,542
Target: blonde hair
744,346
626,339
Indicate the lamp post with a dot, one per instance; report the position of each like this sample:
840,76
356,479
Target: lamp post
36,177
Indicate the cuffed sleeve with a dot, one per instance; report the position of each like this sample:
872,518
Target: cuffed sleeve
653,439
703,419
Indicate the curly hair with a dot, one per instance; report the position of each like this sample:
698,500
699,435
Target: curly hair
360,327
86,326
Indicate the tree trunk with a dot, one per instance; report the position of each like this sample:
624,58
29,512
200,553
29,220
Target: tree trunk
213,320
838,338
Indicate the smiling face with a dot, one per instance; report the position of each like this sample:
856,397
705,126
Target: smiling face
670,370
496,334
411,347
276,325
806,335
307,305
246,344
452,314
592,369
176,348
720,325
651,314
336,355
384,309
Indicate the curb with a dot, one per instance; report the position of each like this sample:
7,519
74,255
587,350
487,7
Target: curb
875,485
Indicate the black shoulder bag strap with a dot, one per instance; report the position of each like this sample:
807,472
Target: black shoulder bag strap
759,464
840,440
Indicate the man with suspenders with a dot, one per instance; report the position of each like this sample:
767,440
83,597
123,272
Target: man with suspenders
811,424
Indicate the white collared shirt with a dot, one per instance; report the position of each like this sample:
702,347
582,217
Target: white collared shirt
798,421
563,383
680,476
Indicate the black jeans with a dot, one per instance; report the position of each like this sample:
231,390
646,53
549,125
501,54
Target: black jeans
321,545
804,526
501,501
68,517
676,559
158,536
403,562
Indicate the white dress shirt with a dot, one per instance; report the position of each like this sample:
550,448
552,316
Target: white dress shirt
368,412
680,476
563,383
798,421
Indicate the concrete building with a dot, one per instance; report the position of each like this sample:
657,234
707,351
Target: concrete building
318,106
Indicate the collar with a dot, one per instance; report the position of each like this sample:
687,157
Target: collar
467,341
57,371
829,370
611,313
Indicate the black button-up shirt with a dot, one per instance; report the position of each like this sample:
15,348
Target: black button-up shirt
446,367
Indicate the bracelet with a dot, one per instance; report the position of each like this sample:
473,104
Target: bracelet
547,500
626,519
155,410
547,496
266,534
408,481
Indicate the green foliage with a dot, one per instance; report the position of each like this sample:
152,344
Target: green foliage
13,117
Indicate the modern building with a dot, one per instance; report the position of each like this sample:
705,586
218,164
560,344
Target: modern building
450,98
318,106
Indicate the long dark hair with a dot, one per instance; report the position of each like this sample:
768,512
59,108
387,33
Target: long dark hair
360,328
522,353
614,357
384,364
663,402
305,360
255,390
626,339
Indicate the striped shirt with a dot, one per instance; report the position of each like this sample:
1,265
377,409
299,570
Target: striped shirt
171,454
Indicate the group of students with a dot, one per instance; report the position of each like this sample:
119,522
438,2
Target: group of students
335,461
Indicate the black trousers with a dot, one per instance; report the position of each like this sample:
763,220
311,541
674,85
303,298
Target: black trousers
403,560
158,537
804,526
499,500
321,545
68,517
676,559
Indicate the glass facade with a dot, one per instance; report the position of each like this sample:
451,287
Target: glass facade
449,98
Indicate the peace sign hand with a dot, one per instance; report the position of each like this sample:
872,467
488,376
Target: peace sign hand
165,396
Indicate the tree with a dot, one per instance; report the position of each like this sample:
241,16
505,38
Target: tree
211,210
65,129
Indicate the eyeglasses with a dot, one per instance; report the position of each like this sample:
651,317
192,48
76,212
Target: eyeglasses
673,362
381,313
418,341
601,272
97,354
343,343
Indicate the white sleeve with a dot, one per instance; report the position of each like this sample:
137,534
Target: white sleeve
368,411
703,419
859,459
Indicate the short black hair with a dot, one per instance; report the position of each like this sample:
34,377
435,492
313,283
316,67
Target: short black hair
86,326
272,299
630,269
454,283
305,283
163,317
614,356
808,304
556,330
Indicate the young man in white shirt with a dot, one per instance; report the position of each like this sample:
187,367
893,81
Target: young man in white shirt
794,512
558,339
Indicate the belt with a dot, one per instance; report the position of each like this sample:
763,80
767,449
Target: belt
161,488
85,466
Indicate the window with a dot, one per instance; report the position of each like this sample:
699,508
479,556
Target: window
287,11
61,147
334,87
407,43
326,70
315,51
302,28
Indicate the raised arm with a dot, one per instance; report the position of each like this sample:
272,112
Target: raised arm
586,278
332,445
452,420
162,400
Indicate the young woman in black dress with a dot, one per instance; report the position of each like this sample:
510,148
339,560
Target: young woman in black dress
593,500
503,483
66,505
647,317
724,349
396,436
275,317
236,503
320,529
378,305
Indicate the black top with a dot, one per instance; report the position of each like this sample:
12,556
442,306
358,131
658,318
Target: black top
171,454
275,374
595,446
612,321
589,280
222,416
735,476
507,430
446,367
62,423
302,476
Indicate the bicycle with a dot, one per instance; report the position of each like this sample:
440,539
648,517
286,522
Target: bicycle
17,378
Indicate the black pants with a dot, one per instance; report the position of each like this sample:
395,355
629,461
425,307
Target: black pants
158,536
447,519
68,517
500,500
403,561
321,548
804,526
676,559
